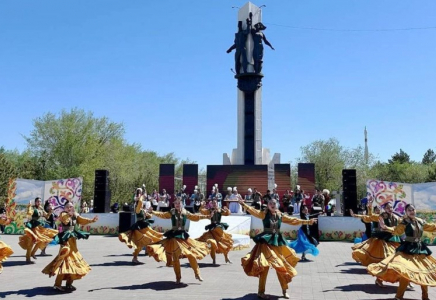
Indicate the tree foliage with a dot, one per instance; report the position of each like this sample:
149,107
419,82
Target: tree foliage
74,144
400,157
429,157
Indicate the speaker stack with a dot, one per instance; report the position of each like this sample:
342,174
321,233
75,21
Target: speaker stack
349,187
102,194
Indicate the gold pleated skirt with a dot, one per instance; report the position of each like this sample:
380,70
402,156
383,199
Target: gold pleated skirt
282,258
5,252
175,247
140,238
38,234
373,251
418,268
219,239
69,262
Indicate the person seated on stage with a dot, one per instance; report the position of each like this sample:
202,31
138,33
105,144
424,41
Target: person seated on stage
195,199
267,196
318,202
257,199
115,208
297,199
164,200
286,199
154,197
248,198
227,197
233,201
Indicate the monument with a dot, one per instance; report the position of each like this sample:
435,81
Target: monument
249,50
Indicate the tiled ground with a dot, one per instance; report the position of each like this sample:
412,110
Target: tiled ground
331,275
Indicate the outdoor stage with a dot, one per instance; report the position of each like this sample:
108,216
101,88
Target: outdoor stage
243,226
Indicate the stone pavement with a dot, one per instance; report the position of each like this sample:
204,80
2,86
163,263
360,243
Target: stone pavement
331,275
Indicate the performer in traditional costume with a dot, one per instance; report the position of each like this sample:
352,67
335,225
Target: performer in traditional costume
412,261
381,244
271,249
50,221
177,243
69,264
140,234
5,250
36,235
220,241
305,243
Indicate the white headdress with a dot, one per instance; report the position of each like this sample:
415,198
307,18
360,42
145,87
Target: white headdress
298,187
275,185
216,185
326,191
139,189
249,189
235,189
229,189
183,187
196,187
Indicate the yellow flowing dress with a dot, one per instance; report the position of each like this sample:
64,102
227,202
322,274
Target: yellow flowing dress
271,249
412,261
140,233
69,264
5,250
219,240
177,243
36,236
374,249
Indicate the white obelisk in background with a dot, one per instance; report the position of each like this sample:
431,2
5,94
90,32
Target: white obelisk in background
262,155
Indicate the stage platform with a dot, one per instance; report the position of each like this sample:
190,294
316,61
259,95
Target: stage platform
331,228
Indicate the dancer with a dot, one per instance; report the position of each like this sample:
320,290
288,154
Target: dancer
220,241
69,264
271,248
412,261
51,221
177,243
140,233
381,244
36,236
5,250
305,243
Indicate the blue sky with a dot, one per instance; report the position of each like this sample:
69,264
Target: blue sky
160,68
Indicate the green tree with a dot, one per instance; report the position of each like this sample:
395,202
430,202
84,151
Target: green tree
400,157
429,157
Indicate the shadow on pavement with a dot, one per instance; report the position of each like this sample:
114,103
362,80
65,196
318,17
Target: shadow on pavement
38,291
358,271
346,264
366,288
117,263
156,286
9,263
250,297
202,265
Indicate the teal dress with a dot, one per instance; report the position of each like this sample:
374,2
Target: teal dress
70,230
271,234
215,221
178,222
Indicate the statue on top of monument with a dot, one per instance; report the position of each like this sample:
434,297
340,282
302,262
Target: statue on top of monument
240,47
258,37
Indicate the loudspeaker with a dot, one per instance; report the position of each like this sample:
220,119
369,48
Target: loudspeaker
349,187
102,195
102,201
126,220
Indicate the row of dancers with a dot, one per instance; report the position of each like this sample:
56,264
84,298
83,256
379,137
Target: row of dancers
391,259
385,258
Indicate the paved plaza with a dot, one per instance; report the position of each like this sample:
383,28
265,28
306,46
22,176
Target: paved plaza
331,275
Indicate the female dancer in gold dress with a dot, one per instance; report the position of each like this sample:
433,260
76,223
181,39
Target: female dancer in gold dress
412,261
140,233
69,264
36,236
271,249
382,244
177,243
220,241
5,250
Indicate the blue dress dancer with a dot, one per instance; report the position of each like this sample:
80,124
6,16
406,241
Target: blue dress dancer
305,243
